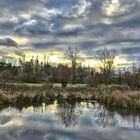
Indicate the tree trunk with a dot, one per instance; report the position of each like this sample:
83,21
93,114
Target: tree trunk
73,72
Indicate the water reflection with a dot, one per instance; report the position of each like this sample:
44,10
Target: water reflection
106,118
65,121
70,115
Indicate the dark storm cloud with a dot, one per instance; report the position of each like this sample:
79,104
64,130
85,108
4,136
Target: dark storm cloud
33,28
8,42
15,6
39,26
86,24
123,41
131,51
82,45
45,45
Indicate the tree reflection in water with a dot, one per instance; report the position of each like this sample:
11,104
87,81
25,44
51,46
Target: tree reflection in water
61,113
106,118
103,117
68,114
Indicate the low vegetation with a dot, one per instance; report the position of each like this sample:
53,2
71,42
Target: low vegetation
115,96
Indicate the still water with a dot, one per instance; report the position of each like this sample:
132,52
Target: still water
64,121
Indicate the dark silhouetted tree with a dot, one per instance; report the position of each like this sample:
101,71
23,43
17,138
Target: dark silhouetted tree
106,63
72,55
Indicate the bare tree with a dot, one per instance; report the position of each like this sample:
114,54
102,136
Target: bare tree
106,62
72,55
63,74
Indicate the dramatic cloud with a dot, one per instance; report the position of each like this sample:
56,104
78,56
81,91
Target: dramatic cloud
8,42
53,25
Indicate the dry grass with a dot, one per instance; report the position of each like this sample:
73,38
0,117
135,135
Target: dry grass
127,99
111,96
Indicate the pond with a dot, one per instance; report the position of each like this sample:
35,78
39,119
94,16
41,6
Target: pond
67,121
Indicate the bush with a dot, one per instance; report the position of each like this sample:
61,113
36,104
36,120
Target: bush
6,76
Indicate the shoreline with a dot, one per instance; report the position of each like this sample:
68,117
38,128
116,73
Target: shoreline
110,97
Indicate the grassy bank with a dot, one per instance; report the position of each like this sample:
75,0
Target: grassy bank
113,96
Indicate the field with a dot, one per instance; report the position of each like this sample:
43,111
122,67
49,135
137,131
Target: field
54,85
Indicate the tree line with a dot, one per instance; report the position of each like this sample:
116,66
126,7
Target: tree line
34,71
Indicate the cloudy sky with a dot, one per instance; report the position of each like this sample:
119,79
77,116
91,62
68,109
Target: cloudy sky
50,26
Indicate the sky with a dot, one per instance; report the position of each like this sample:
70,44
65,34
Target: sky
50,26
